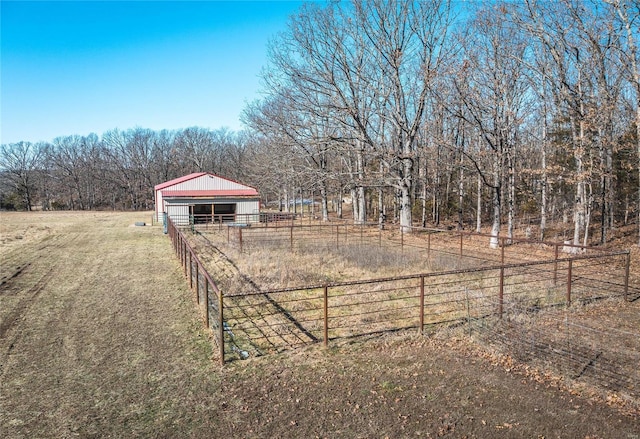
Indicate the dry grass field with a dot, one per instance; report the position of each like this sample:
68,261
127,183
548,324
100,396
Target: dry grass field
100,337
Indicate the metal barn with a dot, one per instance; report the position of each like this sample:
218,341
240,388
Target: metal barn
205,197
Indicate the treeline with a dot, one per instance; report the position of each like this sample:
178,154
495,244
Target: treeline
115,171
418,112
423,110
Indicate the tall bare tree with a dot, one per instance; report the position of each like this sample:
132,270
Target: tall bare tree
628,13
20,166
493,90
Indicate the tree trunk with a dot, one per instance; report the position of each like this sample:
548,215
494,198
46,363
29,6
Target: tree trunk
496,203
423,196
461,194
495,226
406,204
638,152
543,201
512,194
479,205
580,205
380,209
324,202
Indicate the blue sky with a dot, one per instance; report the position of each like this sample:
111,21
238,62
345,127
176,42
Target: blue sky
78,67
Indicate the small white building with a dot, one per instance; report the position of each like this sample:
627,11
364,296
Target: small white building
205,197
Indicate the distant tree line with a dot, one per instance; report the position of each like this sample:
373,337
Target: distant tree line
115,171
418,112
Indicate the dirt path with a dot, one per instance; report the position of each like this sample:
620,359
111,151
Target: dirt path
102,338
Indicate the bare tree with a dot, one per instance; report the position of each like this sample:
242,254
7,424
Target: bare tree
493,90
72,161
20,163
628,12
371,67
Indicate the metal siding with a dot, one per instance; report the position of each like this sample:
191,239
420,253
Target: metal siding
207,182
159,207
179,213
246,207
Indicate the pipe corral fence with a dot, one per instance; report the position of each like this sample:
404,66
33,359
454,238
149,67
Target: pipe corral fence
494,293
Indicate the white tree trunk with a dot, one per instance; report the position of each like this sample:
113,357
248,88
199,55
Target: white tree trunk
495,226
360,213
354,204
512,195
324,202
580,206
406,199
494,241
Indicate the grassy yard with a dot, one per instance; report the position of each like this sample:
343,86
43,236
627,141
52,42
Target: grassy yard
100,337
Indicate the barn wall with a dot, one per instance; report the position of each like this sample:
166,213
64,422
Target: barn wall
159,207
248,206
179,213
204,182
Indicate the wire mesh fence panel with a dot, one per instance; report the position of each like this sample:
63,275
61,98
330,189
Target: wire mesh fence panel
569,343
267,322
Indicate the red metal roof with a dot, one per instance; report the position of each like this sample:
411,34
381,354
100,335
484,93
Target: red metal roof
211,193
192,176
179,180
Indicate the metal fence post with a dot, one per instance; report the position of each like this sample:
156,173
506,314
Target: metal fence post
221,326
569,275
555,265
326,315
460,244
240,237
190,270
206,302
184,257
501,293
197,283
626,276
502,250
421,304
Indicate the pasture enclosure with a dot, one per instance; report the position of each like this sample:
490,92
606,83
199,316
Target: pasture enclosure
269,288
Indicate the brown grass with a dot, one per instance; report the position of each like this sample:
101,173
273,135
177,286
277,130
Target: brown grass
101,338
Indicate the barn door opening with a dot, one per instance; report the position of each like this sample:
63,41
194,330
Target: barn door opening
225,212
201,213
